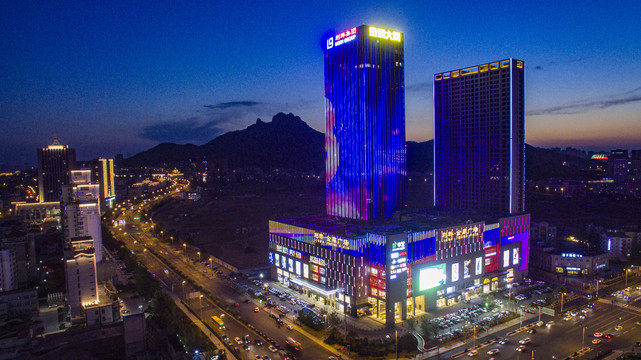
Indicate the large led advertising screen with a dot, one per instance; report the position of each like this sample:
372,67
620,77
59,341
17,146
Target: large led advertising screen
431,277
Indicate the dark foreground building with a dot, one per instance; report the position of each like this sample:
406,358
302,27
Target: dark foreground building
55,163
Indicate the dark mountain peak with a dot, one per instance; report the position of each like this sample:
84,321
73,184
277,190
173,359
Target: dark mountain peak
287,119
259,122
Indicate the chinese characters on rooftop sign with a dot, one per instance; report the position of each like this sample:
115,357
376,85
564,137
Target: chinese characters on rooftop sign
342,38
384,34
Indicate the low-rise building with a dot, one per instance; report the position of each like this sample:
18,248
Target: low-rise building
391,268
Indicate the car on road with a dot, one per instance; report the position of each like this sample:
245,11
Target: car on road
550,324
596,341
608,336
539,323
618,328
224,337
272,348
290,327
258,357
166,271
472,353
237,340
597,334
258,342
503,341
125,311
493,351
527,340
256,309
247,301
246,339
520,348
531,331
245,347
236,304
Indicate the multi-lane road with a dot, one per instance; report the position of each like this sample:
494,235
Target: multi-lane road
567,336
137,236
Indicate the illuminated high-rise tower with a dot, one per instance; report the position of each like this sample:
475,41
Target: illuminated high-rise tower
365,123
54,165
479,138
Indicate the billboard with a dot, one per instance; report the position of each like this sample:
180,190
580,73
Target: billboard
431,277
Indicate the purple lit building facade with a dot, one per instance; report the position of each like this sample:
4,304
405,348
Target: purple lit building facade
479,138
365,123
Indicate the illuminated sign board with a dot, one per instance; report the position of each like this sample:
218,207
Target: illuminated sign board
571,255
506,258
454,272
479,264
466,269
384,34
398,257
431,277
515,256
342,38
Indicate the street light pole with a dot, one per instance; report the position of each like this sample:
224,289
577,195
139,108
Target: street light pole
626,276
584,334
562,294
183,283
325,335
200,300
396,336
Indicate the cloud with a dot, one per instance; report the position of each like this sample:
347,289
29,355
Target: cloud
583,106
420,87
189,129
564,62
232,104
210,122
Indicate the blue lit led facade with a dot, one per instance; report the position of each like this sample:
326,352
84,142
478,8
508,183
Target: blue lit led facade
479,139
365,123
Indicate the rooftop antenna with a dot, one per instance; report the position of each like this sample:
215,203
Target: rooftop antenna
55,138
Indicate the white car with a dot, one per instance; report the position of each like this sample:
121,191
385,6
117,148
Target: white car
550,324
493,351
527,340
598,335
472,353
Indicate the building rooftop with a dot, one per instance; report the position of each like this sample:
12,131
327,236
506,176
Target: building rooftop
410,221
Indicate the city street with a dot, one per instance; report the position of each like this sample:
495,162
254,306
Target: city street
566,337
136,239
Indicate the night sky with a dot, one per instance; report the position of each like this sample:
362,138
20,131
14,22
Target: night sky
122,78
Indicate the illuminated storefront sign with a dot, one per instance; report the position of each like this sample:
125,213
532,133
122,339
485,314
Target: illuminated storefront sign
454,272
572,255
384,34
342,38
306,271
515,256
479,265
506,258
277,260
466,269
398,257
